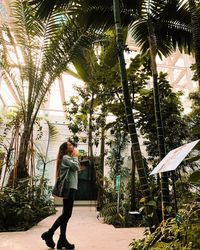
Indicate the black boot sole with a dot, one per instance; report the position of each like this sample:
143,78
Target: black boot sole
65,247
45,239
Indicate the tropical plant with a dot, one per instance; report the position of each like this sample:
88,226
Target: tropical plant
129,115
21,208
41,52
117,144
112,216
149,23
43,156
109,95
172,115
194,115
11,130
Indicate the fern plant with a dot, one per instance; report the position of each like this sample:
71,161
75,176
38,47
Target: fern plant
112,216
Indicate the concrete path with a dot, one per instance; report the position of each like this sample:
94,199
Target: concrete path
84,230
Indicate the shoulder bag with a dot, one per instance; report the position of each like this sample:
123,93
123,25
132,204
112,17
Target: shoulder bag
62,186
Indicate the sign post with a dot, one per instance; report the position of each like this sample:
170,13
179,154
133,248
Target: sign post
172,160
117,187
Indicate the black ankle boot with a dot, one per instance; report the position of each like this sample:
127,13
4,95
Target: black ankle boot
48,237
63,242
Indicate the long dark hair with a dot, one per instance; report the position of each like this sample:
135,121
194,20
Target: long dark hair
61,152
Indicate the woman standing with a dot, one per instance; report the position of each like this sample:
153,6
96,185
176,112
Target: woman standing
67,158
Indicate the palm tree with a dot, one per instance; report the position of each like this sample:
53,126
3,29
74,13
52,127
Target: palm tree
149,24
41,51
128,109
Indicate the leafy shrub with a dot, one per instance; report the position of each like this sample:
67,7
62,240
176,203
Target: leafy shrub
181,234
112,216
25,205
119,218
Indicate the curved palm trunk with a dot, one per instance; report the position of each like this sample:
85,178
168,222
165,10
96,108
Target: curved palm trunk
129,114
22,170
29,119
158,117
196,34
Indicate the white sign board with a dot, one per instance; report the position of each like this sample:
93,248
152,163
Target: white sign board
171,161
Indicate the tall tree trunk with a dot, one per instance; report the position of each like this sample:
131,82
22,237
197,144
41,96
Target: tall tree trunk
90,143
133,191
22,169
158,117
101,170
90,125
196,34
129,114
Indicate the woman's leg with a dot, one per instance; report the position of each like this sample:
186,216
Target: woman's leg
62,223
66,214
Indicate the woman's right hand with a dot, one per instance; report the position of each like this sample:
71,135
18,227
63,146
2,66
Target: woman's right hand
74,153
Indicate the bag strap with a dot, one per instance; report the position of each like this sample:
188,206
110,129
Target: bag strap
66,174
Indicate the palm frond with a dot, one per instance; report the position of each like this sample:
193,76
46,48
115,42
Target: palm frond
171,25
139,32
72,73
53,132
11,79
175,25
95,14
42,51
52,135
86,64
45,8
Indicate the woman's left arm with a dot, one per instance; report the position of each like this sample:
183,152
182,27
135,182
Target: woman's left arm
71,162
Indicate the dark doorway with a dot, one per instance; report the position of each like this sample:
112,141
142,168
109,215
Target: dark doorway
87,189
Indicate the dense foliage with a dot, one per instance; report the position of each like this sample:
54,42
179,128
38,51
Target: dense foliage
172,117
194,115
25,205
182,232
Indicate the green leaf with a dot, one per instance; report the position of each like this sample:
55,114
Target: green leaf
142,200
192,159
169,209
141,209
151,203
195,177
12,198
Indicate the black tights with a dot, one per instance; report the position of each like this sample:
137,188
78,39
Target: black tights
66,214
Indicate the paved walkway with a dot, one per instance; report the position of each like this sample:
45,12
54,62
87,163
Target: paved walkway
84,230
